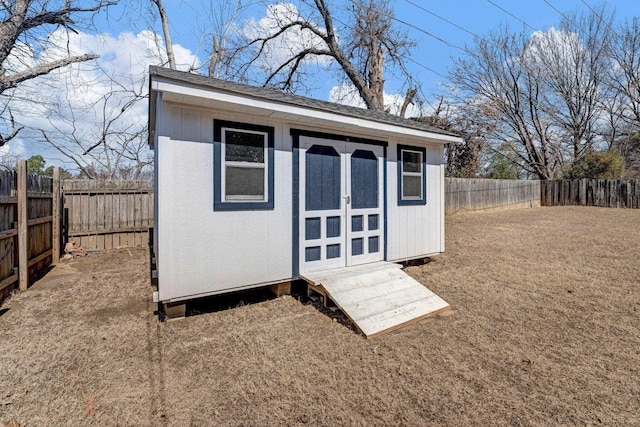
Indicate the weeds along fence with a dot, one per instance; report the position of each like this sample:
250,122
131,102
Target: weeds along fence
107,214
474,194
591,192
29,226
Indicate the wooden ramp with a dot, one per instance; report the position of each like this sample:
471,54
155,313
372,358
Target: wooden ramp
377,297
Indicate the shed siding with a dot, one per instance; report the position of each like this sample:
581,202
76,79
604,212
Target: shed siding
201,251
414,231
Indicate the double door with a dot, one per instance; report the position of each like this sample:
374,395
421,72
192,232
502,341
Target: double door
341,204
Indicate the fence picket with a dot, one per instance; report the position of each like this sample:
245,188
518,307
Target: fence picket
592,192
27,229
112,212
462,194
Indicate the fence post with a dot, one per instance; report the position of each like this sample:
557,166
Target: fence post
55,225
23,256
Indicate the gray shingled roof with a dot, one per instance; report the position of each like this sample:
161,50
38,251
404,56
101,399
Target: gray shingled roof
296,100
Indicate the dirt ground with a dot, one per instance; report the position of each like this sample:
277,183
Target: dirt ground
545,331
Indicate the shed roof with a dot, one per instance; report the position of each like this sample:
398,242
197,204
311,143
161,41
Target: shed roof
273,95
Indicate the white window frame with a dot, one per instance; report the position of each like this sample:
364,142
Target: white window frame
245,165
418,174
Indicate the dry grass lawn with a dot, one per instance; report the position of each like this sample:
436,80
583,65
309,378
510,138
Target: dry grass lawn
545,331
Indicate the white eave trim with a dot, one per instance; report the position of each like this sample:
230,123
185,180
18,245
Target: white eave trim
160,85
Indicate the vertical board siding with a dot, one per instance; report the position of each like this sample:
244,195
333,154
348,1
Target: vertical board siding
105,214
196,243
414,230
473,194
591,192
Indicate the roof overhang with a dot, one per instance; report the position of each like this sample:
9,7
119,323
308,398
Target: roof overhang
163,89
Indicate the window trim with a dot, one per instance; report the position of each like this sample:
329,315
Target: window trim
264,165
220,164
413,201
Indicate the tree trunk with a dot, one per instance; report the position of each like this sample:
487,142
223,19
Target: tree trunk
215,57
408,99
167,34
376,79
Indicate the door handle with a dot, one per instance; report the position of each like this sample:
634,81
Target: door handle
347,199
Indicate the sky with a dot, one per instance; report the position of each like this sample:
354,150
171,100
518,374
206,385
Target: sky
127,47
480,17
434,51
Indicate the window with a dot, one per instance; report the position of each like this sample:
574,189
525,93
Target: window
411,175
243,169
243,166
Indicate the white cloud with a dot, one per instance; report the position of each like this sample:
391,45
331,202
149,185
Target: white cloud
293,40
78,99
347,94
14,148
558,50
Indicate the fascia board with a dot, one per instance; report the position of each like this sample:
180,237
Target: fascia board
230,100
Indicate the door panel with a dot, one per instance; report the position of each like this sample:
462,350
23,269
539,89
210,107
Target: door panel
341,210
325,193
365,213
364,179
322,205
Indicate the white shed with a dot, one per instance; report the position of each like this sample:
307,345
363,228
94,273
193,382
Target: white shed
256,187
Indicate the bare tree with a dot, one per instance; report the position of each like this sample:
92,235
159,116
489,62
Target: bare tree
625,72
545,94
624,86
8,161
570,64
501,92
164,19
369,42
117,147
463,159
221,28
23,30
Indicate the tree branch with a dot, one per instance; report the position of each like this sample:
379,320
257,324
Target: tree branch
14,131
11,81
297,59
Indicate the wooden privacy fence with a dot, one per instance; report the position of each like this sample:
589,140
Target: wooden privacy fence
591,192
98,214
29,226
106,214
473,194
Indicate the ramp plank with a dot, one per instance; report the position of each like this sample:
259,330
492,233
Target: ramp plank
349,272
394,318
393,301
378,297
371,282
363,295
